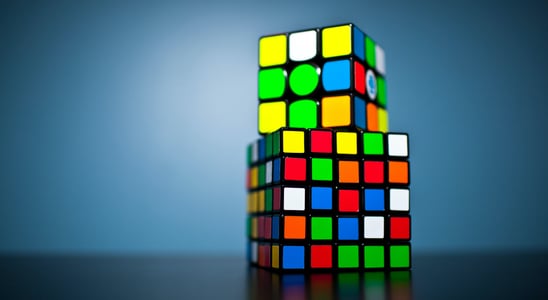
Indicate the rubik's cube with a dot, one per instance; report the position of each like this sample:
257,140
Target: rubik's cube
328,185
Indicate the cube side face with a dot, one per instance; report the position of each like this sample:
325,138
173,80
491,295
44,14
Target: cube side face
313,64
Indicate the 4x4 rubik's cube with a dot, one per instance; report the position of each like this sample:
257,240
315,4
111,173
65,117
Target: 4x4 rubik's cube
328,187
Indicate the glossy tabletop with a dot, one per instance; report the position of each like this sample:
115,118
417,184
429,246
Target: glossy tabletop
433,276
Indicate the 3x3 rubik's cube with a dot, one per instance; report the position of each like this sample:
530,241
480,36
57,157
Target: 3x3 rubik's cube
328,186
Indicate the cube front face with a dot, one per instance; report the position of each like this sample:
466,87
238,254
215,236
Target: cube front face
323,199
336,67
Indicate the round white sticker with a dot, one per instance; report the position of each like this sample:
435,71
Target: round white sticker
371,84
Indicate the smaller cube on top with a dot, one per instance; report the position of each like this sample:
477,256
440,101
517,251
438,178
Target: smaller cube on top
301,72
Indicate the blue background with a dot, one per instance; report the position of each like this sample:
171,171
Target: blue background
123,126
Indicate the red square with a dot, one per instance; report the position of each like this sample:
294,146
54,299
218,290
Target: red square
321,141
359,77
295,168
264,256
276,195
260,224
349,200
320,256
267,227
373,171
399,228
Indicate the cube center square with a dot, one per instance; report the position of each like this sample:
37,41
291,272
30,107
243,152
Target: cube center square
327,183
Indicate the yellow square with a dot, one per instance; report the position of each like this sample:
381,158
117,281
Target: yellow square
383,120
254,174
251,202
254,228
275,256
272,50
337,41
293,141
260,199
336,111
271,116
347,143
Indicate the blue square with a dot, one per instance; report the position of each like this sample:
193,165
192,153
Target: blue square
359,43
275,228
336,75
293,257
322,197
348,228
262,149
374,199
277,171
359,112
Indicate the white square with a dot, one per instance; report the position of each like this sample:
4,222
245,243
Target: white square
397,145
399,199
268,172
254,252
294,198
373,227
255,151
380,62
302,45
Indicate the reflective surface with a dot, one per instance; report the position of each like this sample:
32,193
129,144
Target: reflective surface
440,276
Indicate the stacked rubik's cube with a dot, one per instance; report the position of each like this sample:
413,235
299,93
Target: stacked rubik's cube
328,187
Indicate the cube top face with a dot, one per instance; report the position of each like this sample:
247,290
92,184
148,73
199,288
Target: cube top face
334,144
319,65
321,44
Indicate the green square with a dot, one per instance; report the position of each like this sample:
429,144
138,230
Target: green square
373,143
399,256
268,145
348,257
262,174
303,114
381,94
276,143
322,169
370,52
271,83
268,200
321,228
249,154
374,256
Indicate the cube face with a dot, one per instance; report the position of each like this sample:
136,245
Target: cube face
319,64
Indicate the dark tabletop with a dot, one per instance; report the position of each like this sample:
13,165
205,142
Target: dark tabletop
435,276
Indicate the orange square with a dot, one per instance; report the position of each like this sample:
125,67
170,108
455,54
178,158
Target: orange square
349,171
398,172
372,117
294,227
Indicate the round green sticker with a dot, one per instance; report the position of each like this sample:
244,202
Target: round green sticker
304,79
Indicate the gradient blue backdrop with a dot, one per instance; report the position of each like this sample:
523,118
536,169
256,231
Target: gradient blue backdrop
123,126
